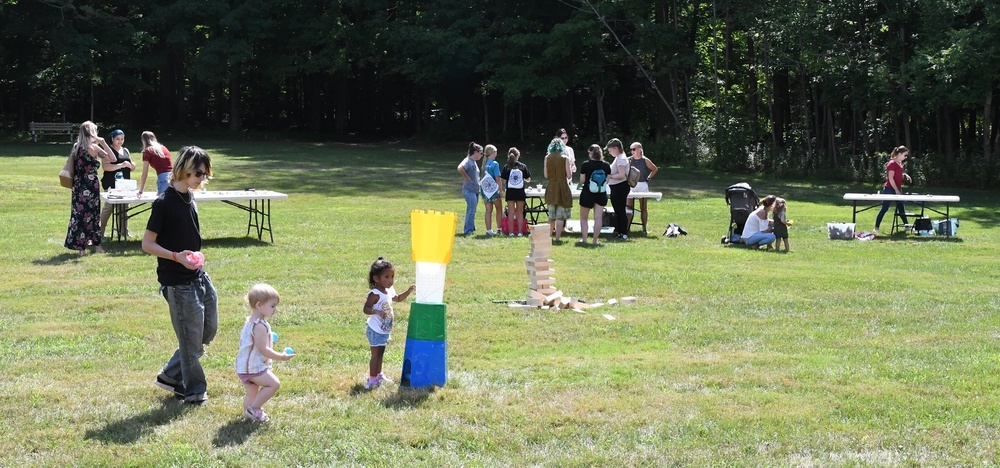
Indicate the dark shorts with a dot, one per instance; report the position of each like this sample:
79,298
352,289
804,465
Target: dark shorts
514,194
589,199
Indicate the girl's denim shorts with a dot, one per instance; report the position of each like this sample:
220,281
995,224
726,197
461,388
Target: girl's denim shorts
375,338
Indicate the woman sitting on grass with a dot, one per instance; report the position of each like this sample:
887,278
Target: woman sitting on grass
757,230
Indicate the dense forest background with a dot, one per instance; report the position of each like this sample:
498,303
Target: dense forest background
786,88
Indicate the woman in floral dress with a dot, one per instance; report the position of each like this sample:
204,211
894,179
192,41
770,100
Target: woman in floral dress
85,206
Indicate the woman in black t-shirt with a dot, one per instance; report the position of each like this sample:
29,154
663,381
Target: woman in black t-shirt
593,195
119,163
515,177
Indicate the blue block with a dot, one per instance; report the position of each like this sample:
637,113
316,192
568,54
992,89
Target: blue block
424,363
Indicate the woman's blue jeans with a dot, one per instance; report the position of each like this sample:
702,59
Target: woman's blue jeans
900,209
760,238
471,202
162,182
194,313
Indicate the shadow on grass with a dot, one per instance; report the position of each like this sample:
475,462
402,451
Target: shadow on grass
235,432
129,430
408,397
58,259
236,242
904,237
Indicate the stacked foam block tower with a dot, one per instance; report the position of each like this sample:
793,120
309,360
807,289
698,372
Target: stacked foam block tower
425,358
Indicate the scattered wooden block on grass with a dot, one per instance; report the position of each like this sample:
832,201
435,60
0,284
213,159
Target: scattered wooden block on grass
612,301
609,316
629,300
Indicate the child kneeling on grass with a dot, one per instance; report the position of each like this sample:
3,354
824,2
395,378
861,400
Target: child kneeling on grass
378,308
253,362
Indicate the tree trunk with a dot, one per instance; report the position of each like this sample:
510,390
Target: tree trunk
987,120
235,103
599,96
781,97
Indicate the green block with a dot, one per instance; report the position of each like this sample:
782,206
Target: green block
426,322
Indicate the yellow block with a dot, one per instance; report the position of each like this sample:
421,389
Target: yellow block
432,235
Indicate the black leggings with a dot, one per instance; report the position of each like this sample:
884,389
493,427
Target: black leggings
619,197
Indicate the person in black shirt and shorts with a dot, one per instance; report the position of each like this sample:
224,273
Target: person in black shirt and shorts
594,195
173,235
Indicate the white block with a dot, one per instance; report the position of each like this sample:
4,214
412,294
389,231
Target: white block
430,282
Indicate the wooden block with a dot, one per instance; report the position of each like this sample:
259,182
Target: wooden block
565,301
545,273
533,294
578,311
612,301
547,291
629,300
551,298
534,302
609,317
545,307
538,262
595,305
514,305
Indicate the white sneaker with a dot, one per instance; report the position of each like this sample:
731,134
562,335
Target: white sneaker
373,382
383,379
490,233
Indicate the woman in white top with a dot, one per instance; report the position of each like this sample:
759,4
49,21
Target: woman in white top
618,180
758,231
568,152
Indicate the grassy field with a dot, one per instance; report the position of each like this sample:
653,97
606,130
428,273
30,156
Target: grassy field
841,353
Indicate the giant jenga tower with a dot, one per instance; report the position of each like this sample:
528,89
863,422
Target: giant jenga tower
426,354
541,280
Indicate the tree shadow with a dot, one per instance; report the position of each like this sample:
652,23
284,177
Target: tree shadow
235,432
408,397
129,430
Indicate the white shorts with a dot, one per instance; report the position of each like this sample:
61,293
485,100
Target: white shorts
641,187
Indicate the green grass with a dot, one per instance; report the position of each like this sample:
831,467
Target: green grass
840,353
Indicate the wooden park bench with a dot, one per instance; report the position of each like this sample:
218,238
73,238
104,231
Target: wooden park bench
51,128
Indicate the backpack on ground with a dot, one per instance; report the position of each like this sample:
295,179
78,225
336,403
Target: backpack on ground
598,179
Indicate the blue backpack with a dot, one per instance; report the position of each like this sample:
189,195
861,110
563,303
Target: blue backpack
598,179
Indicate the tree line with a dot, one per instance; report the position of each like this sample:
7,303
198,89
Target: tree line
786,88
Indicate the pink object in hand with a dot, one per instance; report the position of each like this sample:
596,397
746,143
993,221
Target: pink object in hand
197,258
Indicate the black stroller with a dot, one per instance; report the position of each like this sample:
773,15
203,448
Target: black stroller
742,200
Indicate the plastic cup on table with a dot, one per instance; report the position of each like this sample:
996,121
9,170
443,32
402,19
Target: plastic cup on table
197,258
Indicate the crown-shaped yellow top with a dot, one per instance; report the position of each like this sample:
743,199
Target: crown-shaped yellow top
432,235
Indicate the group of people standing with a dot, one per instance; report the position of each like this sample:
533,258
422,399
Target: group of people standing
599,182
88,221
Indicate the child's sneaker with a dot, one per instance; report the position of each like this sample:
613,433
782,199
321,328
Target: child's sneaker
383,379
373,382
256,414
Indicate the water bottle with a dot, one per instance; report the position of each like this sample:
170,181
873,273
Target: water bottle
118,176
